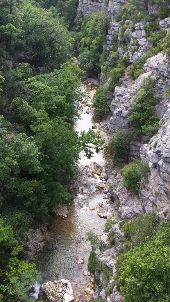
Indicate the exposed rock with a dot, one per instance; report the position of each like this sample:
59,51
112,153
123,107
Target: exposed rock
61,210
138,42
122,99
157,153
35,241
79,260
102,214
96,169
165,23
58,291
90,6
115,296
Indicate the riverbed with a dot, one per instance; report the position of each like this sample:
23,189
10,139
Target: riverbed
66,254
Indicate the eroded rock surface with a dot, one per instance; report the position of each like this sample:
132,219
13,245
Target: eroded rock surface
58,291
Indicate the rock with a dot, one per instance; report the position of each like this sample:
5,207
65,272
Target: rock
96,169
35,290
61,210
104,241
92,207
58,291
156,192
102,215
36,240
79,260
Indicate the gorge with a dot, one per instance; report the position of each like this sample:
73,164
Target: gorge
85,151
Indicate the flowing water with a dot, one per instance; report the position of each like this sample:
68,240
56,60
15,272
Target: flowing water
66,255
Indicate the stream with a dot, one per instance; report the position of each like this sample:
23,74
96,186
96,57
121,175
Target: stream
66,254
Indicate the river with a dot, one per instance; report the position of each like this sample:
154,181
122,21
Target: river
67,252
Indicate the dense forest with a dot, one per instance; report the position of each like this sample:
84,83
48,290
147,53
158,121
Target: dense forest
39,92
39,100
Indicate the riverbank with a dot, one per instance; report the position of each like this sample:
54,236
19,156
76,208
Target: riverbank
66,254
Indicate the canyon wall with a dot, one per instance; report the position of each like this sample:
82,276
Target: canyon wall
155,193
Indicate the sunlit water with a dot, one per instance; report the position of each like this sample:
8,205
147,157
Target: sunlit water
68,235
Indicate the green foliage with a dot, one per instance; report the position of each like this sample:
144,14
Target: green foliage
130,11
140,230
90,42
32,34
16,275
66,9
90,141
100,104
110,232
133,174
144,274
142,111
112,72
92,262
115,75
144,270
93,239
118,147
38,145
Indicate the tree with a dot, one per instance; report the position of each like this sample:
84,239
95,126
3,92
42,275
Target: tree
16,275
119,146
144,273
133,173
90,42
47,43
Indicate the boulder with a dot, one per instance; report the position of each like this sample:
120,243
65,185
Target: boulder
58,291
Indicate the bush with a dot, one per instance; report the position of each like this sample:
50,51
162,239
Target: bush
90,42
115,75
142,111
118,148
133,174
130,11
100,104
140,229
144,274
109,230
92,262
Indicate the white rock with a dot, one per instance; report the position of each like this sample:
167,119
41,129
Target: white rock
58,291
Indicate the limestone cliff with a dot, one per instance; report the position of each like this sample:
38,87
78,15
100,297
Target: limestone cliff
132,41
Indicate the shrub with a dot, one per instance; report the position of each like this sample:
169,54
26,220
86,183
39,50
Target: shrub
155,37
140,229
91,38
115,75
92,262
133,174
118,148
109,230
142,111
144,273
129,11
100,104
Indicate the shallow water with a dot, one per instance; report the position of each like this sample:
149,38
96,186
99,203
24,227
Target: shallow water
68,235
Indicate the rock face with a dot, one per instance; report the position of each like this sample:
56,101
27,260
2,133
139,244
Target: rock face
89,6
58,291
156,193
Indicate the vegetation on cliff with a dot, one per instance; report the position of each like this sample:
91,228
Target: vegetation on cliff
144,266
